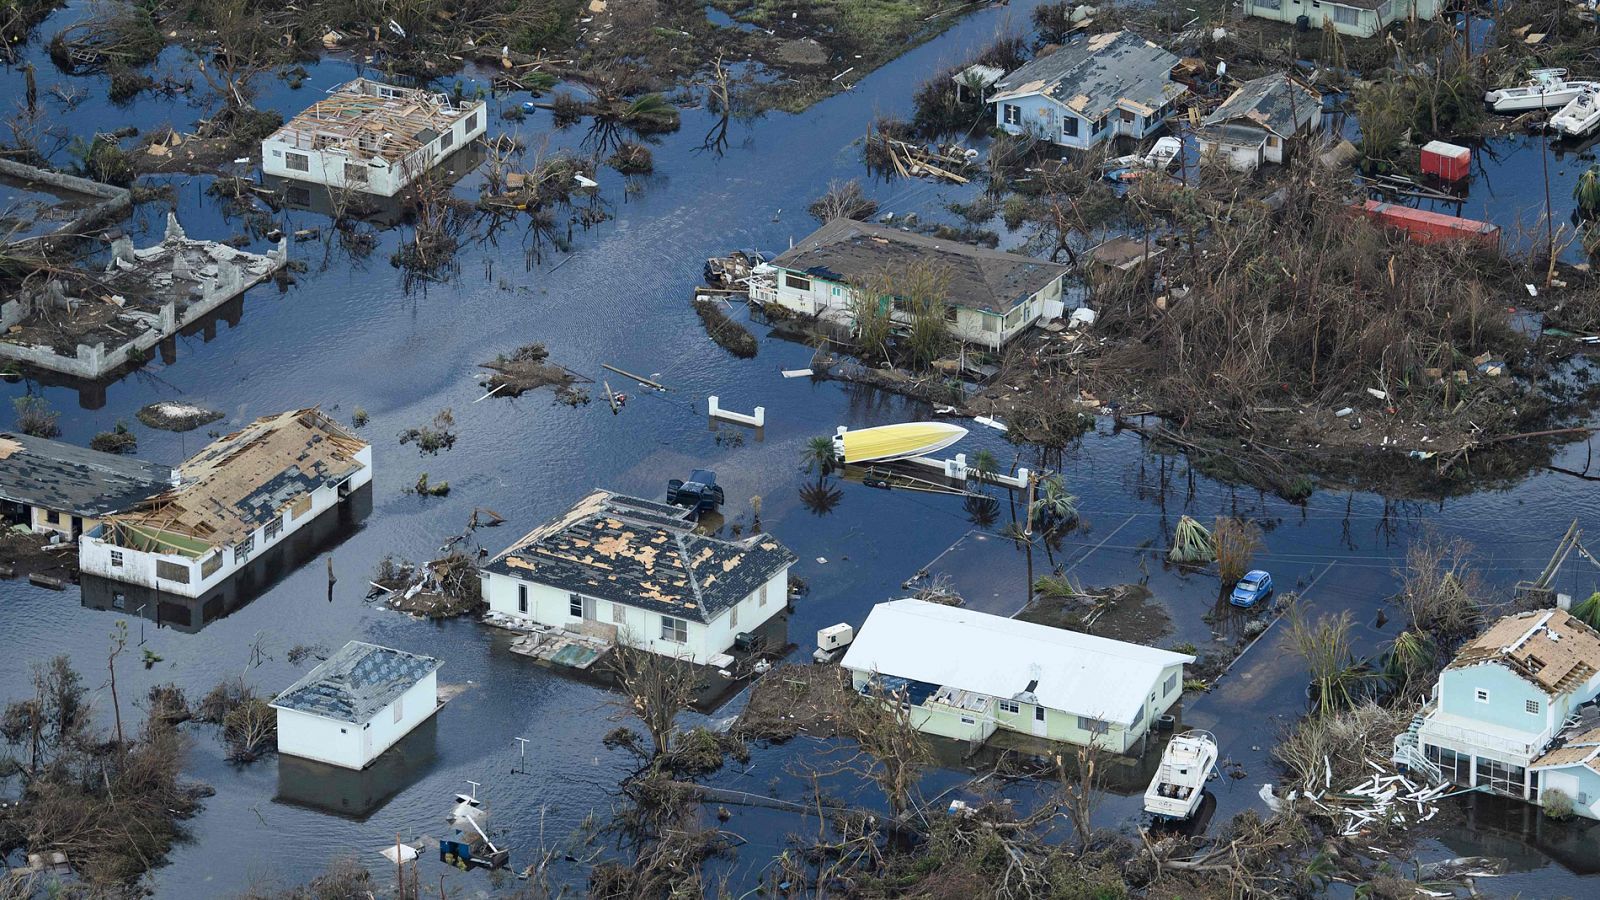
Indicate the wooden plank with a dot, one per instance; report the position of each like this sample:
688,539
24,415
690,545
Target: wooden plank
639,378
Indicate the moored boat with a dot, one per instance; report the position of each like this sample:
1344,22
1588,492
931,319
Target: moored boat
1581,117
890,442
1180,782
1548,89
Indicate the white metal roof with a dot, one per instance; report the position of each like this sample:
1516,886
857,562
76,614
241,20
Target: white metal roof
961,648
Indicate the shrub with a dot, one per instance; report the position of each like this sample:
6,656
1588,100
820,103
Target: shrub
1557,805
36,418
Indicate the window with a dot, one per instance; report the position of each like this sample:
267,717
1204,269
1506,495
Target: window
991,322
951,313
1481,695
53,517
522,598
119,600
1532,706
1012,113
1267,4
1385,12
273,529
1006,706
798,282
1098,126
1137,718
763,596
171,571
355,173
210,564
446,139
299,162
1457,767
968,720
1170,686
1345,15
472,122
116,558
1272,140
1501,778
399,708
619,613
675,630
1093,726
1127,116
575,606
1069,126
241,550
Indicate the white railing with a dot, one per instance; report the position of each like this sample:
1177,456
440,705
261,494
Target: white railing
1475,738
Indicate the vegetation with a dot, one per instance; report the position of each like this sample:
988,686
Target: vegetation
728,334
35,417
434,436
843,199
117,440
1191,543
1235,542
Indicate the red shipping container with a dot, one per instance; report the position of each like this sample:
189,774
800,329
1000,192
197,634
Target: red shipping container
1446,161
1423,227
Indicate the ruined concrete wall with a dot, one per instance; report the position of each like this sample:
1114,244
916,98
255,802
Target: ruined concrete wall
114,201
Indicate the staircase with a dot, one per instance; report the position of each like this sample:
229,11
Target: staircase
1408,752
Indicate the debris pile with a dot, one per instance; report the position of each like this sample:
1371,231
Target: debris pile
528,368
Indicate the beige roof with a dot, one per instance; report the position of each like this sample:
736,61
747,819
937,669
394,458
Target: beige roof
1550,647
241,481
369,120
1581,749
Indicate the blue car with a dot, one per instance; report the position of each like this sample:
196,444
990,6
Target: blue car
1254,587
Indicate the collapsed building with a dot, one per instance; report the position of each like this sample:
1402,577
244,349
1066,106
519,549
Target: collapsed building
88,324
372,137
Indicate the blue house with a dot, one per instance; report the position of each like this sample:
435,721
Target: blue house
1088,91
1506,699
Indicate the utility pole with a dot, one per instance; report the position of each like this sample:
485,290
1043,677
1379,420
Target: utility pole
523,746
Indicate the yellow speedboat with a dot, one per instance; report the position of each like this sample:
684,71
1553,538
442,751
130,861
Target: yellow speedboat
890,442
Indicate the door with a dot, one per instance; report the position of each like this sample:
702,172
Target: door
366,744
1038,721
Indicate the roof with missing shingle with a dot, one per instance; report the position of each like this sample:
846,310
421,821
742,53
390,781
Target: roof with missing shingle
1550,648
75,480
847,251
357,682
644,554
1094,76
1271,102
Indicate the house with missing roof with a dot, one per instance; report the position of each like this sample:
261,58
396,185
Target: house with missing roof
965,674
372,137
356,704
1110,84
991,296
1504,701
238,497
52,486
1260,122
635,571
1356,18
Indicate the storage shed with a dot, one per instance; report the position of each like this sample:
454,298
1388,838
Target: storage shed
356,704
1446,161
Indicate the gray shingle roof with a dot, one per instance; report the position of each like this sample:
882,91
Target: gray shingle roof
357,682
845,250
643,554
1090,77
75,480
1270,102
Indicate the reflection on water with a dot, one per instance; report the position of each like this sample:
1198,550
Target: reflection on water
356,795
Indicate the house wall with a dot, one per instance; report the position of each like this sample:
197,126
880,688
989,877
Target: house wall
1237,157
1347,20
39,521
1508,696
383,177
1041,116
1580,783
97,556
350,745
639,627
834,300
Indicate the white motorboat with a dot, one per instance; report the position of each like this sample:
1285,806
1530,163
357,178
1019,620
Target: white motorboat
1581,117
1180,782
1548,89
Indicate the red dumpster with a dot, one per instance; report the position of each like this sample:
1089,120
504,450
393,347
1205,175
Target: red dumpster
1423,227
1446,161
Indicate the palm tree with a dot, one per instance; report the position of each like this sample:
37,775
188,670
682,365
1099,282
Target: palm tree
983,465
1055,506
982,510
818,456
1587,191
820,498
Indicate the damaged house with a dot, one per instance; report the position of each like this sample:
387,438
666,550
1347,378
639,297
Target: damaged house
237,498
356,704
1356,18
965,674
89,324
1111,84
52,486
1503,703
372,137
991,296
635,571
1260,123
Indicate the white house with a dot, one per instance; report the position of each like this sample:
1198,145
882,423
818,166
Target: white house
52,486
238,496
1503,701
965,674
1357,18
356,704
635,571
1115,83
991,296
372,137
1258,122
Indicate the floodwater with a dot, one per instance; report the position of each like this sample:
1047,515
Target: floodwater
347,336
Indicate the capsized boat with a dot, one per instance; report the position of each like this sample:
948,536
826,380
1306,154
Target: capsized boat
1581,117
1549,89
1180,782
889,442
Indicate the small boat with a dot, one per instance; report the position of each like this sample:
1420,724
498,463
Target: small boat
1549,89
890,442
1581,117
1180,782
